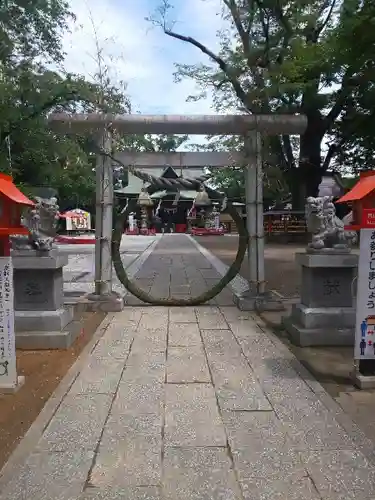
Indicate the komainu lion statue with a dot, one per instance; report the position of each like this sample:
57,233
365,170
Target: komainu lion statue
326,228
41,221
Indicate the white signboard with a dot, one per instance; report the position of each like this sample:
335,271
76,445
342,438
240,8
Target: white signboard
8,370
78,220
365,312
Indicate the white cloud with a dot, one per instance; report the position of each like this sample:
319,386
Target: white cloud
142,55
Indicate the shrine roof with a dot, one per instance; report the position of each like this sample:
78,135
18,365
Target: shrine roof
364,186
11,191
169,173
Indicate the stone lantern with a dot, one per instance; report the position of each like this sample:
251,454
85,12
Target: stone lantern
145,202
202,202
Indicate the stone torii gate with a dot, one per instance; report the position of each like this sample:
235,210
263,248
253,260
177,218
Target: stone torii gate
252,127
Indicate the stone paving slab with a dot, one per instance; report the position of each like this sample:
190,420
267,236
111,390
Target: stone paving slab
80,270
295,487
117,348
140,423
187,365
183,334
48,475
130,465
130,451
176,268
77,423
139,395
235,384
126,493
192,417
200,473
257,430
100,376
342,474
151,340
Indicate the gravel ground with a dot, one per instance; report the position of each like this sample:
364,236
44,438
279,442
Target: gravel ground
282,274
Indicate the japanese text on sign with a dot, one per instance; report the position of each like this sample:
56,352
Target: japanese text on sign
371,274
8,372
365,311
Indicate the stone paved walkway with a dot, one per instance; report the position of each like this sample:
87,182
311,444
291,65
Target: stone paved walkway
79,274
191,404
177,269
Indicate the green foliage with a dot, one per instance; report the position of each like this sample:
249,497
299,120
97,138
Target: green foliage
354,138
231,180
30,29
30,150
30,37
295,56
148,143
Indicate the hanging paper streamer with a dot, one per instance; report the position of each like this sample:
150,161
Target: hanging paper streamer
157,211
192,211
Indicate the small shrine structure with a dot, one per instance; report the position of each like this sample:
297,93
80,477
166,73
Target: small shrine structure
171,207
360,197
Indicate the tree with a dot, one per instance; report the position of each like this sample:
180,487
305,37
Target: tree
30,35
164,143
353,141
282,56
35,155
32,29
231,180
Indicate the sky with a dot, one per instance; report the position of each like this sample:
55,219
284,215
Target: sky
141,54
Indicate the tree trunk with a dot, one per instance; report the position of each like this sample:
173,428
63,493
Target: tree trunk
307,177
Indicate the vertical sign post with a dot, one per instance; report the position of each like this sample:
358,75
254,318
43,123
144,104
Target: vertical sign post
364,350
9,381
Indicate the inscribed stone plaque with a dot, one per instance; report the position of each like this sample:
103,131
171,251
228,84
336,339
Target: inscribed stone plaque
38,289
327,287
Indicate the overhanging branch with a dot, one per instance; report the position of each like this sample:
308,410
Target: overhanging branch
332,150
36,111
227,70
320,27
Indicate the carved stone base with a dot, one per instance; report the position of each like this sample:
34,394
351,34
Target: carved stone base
329,251
44,321
326,313
40,314
38,280
248,301
323,317
44,329
112,302
363,382
327,336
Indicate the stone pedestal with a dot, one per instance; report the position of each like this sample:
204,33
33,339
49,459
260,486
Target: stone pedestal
251,301
111,302
40,315
326,313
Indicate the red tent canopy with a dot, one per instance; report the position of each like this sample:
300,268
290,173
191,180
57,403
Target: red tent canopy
11,191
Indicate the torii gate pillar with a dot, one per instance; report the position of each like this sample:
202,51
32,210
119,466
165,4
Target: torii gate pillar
256,297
